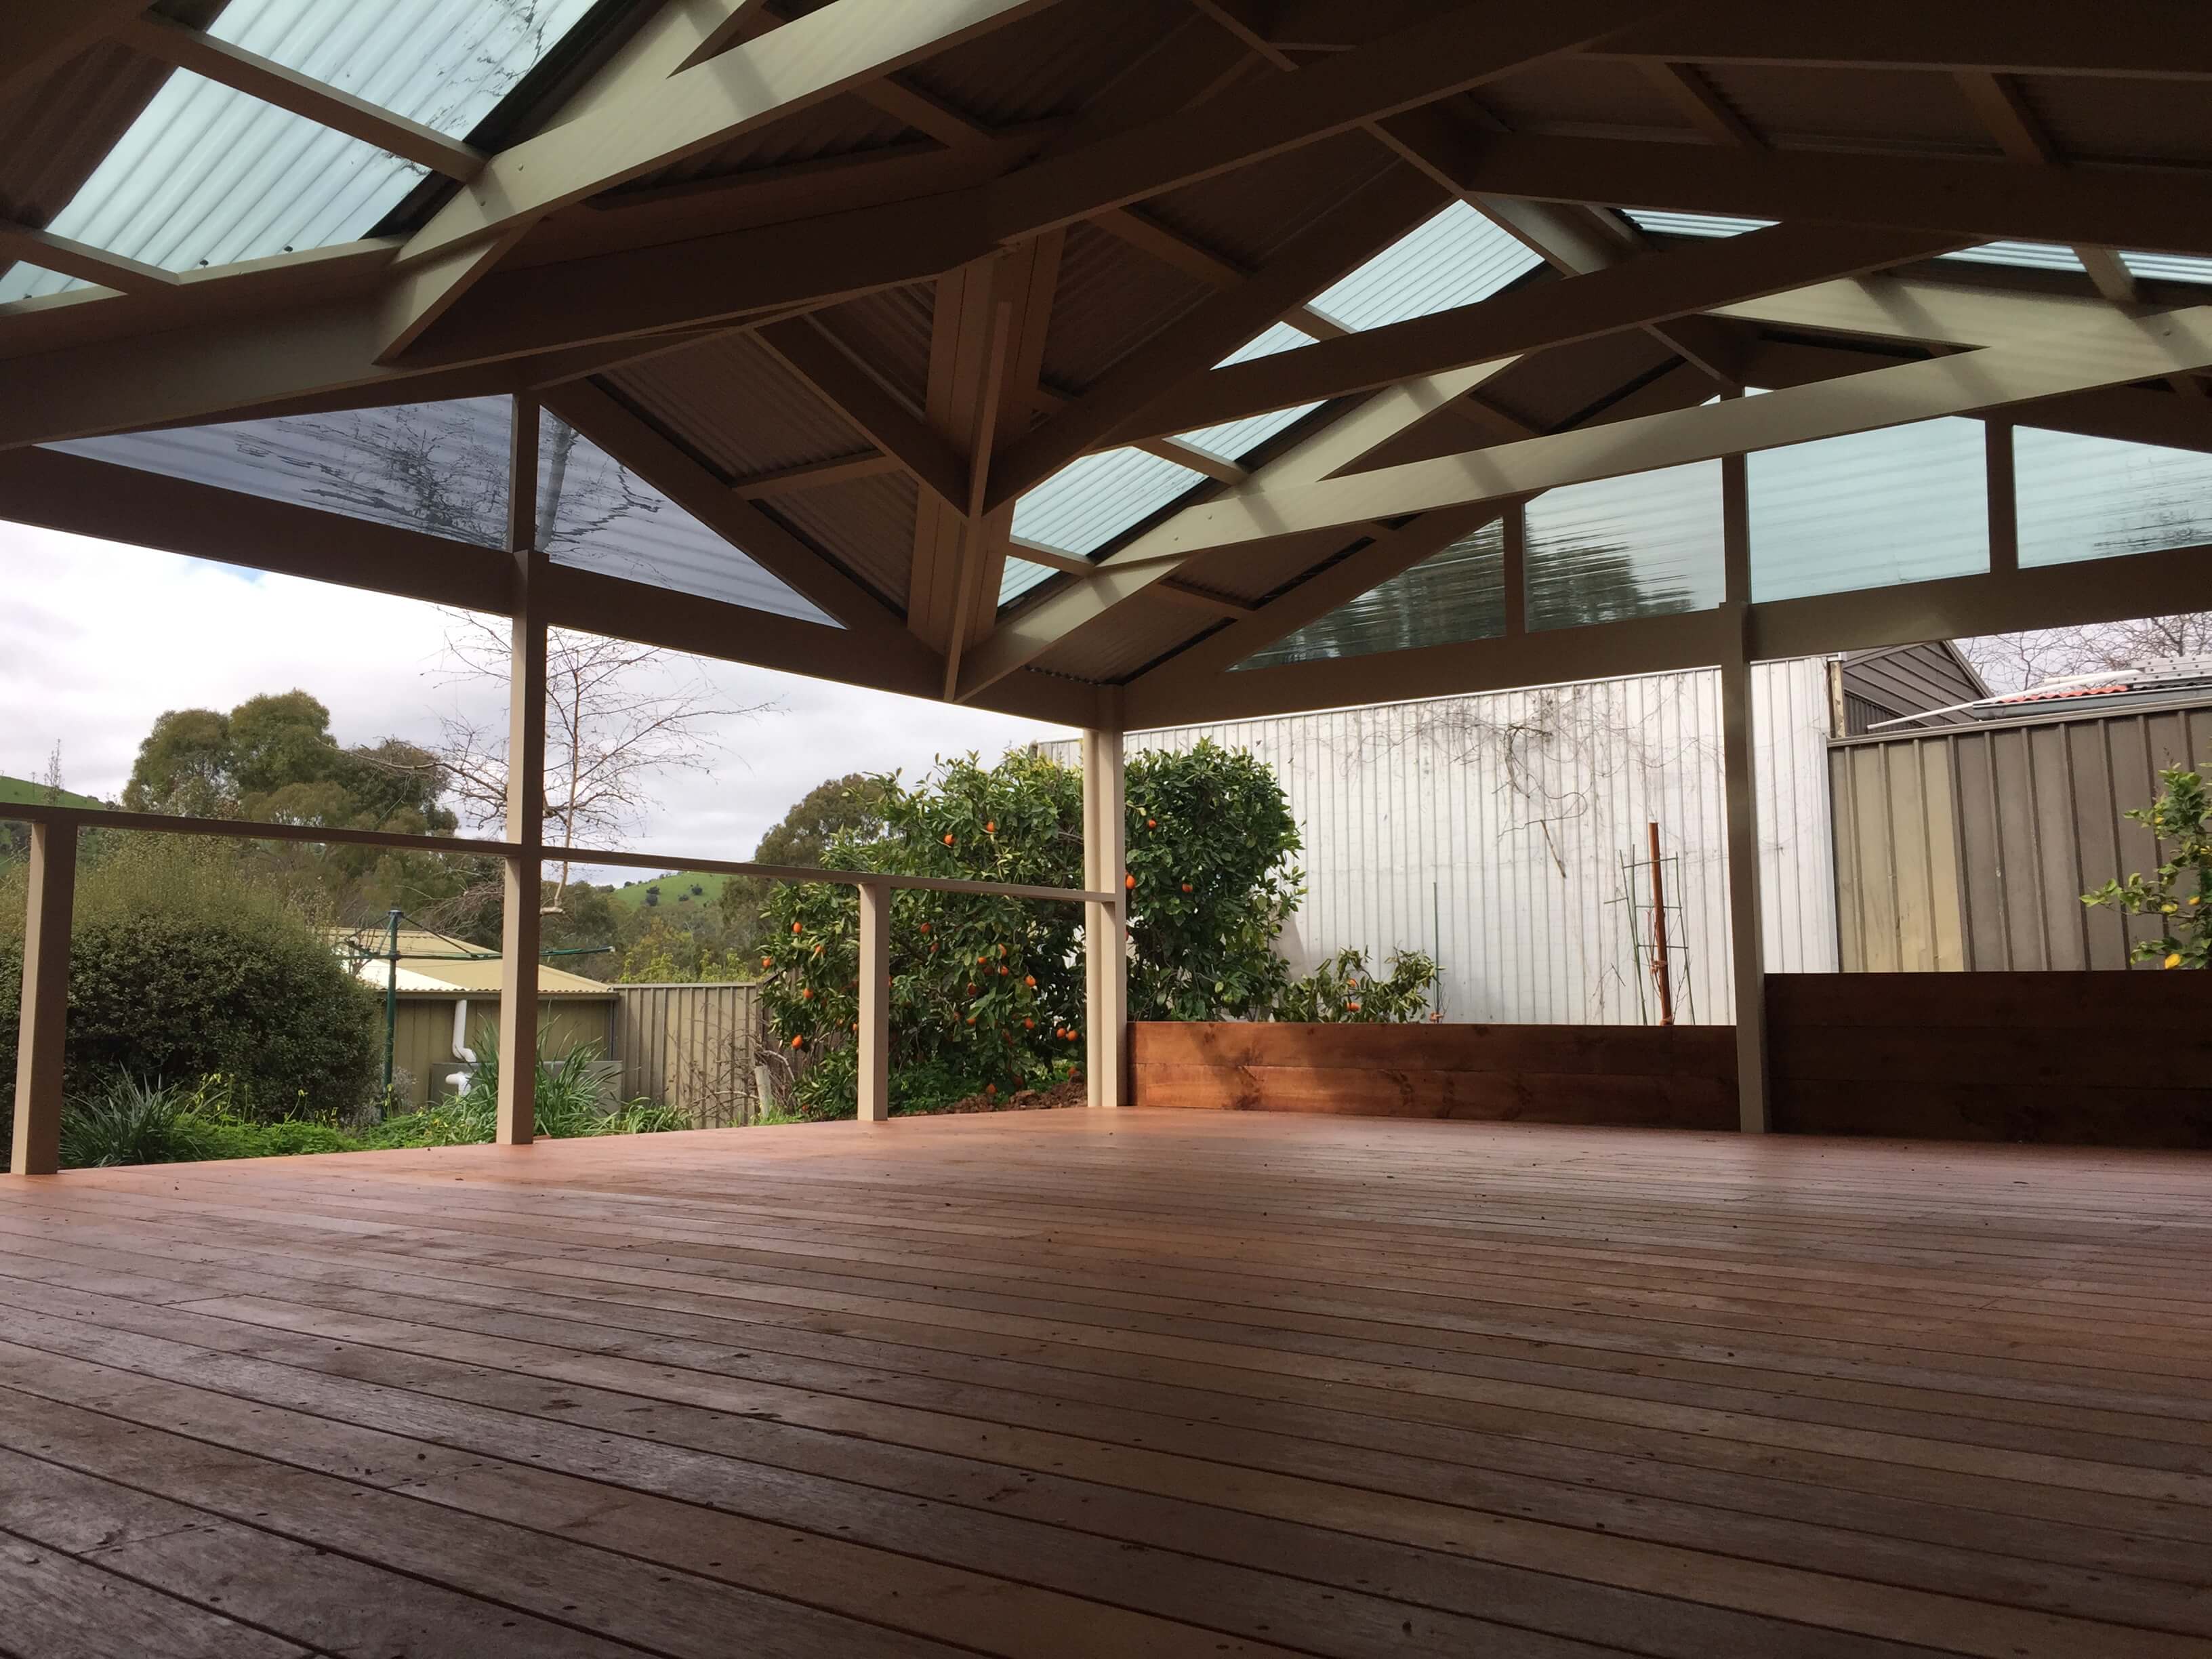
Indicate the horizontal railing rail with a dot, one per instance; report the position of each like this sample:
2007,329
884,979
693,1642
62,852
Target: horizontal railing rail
83,817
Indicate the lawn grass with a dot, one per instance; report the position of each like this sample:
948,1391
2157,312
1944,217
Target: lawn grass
13,790
676,894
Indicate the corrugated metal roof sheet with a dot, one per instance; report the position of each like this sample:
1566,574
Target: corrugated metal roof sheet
733,403
207,175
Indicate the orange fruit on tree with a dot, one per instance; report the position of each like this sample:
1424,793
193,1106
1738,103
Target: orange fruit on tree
795,927
1151,823
948,838
1130,882
1003,970
807,994
798,1042
1030,979
972,988
990,827
1186,887
1028,1026
768,962
925,926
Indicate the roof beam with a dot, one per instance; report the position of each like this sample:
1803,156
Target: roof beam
2151,39
1373,219
1433,59
870,407
656,119
1653,289
634,442
1978,201
48,252
257,76
2112,351
814,474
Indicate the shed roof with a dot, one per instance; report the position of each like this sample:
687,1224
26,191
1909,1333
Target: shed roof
430,962
1063,356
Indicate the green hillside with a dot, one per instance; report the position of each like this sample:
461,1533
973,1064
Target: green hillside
23,789
676,894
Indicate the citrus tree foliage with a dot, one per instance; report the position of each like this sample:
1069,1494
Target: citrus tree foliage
1211,884
1344,990
987,992
2173,896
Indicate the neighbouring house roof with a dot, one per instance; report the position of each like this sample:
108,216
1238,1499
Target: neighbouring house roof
429,962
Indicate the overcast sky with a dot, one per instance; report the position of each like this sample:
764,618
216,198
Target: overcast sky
97,639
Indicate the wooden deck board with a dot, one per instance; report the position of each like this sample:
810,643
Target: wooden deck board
1144,1382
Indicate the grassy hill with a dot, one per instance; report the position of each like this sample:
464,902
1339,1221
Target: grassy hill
23,789
676,894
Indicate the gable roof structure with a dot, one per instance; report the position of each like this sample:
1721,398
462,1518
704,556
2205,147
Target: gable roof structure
1068,357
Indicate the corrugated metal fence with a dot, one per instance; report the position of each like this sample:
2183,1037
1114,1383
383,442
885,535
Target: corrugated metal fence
1494,832
688,1046
1970,848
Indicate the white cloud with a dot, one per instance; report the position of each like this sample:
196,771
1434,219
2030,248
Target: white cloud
97,639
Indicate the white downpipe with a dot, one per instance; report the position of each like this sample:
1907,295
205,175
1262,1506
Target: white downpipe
462,1052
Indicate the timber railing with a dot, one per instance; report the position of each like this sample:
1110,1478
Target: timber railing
54,833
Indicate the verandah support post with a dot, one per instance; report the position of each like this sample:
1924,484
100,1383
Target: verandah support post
1739,773
1105,951
44,1028
875,1091
525,796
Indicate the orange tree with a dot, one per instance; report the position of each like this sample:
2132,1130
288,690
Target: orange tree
2177,896
987,994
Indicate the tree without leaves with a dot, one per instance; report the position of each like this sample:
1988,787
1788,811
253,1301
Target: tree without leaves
617,716
2014,662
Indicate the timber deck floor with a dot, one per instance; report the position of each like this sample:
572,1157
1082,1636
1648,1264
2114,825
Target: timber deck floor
1113,1384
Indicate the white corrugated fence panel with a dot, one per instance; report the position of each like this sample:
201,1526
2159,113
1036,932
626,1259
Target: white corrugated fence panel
1495,833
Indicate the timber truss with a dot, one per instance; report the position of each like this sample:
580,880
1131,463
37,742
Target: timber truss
848,281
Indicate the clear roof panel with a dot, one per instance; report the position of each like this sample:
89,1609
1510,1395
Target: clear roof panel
595,513
1642,545
1454,260
1019,576
1088,502
440,468
1449,597
207,175
1904,504
2093,498
2029,255
1233,440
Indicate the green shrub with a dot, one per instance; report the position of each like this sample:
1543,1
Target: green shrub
987,992
182,966
2174,896
130,1121
1344,991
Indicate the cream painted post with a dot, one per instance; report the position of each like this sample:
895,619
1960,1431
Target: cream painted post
525,796
1105,953
44,1027
875,1002
1740,773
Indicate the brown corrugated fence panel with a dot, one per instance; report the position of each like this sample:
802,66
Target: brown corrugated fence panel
422,1054
688,1046
2085,1058
1677,1077
1971,847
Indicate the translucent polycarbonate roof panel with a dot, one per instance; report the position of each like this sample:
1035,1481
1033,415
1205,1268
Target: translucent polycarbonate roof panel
207,175
594,514
1019,576
1454,260
1455,595
440,468
1691,224
2093,498
2167,267
1906,504
2028,255
1088,502
1233,440
1642,545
